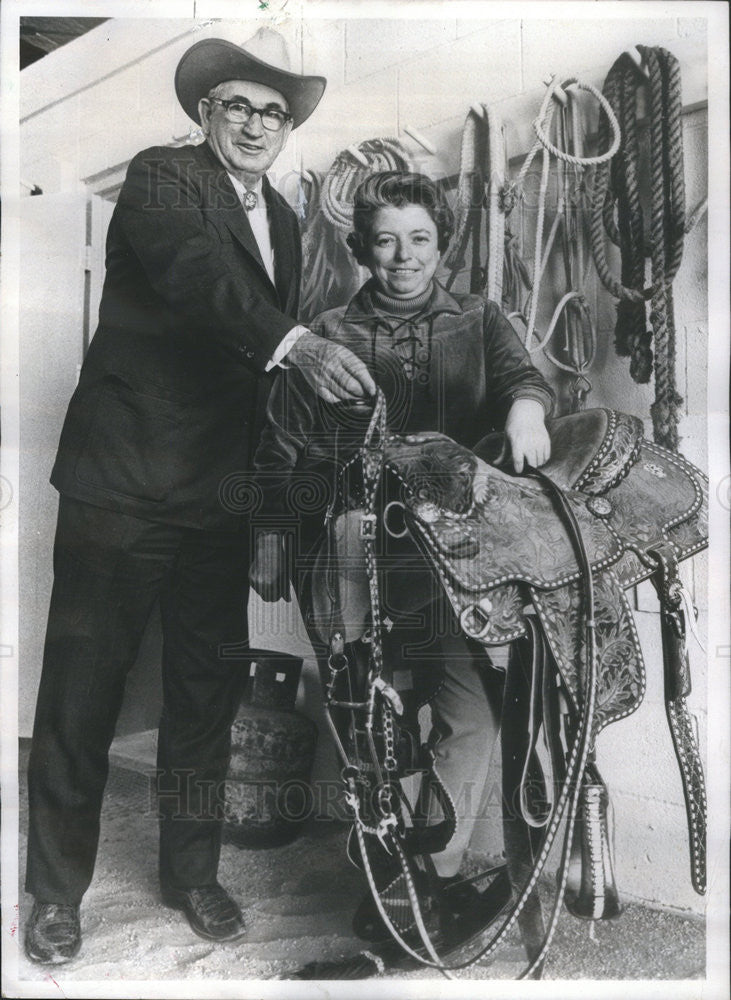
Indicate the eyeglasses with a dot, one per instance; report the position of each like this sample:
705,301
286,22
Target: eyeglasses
240,112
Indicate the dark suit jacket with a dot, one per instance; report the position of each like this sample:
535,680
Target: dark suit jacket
172,392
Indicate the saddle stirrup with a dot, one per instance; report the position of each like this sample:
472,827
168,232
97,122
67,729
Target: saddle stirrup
591,890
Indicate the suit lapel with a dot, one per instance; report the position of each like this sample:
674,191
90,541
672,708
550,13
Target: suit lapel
285,259
224,202
222,199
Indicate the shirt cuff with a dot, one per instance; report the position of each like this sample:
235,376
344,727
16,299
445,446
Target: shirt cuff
539,396
285,346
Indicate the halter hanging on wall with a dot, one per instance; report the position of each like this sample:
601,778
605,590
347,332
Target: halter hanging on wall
571,165
482,189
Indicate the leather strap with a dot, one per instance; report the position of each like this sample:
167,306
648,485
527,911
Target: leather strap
677,687
534,790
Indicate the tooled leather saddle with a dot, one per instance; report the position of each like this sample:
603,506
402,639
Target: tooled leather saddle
499,550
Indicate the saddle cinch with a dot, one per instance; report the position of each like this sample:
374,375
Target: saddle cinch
546,557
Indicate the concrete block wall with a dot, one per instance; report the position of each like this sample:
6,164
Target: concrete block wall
89,106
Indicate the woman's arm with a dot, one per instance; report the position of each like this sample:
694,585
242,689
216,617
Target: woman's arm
519,391
509,371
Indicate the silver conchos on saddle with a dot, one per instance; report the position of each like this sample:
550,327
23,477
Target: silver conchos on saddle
654,470
599,506
427,512
475,619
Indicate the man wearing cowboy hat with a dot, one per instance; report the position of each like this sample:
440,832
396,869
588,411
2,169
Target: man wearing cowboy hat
199,304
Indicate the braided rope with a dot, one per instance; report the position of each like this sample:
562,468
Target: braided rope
618,191
668,231
658,305
631,338
673,153
619,93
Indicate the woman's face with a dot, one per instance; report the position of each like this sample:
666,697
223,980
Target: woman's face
402,253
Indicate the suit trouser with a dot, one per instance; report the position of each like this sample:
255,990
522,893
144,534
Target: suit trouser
109,569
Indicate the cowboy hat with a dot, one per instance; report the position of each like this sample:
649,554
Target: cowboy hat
263,59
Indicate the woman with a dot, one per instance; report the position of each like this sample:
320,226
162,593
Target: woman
448,363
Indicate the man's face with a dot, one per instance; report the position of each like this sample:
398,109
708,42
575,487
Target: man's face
247,150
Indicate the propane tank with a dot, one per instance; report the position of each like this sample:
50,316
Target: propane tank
268,795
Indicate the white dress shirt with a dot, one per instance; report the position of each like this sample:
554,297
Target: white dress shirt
259,221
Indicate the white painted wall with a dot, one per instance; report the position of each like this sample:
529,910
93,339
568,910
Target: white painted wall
89,106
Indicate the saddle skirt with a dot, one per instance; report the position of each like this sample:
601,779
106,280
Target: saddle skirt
500,550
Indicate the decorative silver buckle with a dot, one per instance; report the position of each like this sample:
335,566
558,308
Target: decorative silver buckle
368,526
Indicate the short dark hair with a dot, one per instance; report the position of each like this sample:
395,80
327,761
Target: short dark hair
397,188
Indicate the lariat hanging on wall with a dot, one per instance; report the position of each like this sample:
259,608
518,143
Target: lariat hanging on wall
577,352
618,211
331,276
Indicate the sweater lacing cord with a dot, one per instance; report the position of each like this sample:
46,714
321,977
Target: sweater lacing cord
417,366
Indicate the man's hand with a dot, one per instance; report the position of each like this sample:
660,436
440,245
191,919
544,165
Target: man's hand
526,437
334,372
268,572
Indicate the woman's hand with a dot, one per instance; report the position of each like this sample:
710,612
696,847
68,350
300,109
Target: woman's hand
526,436
268,574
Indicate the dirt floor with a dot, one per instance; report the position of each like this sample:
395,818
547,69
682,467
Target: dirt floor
298,901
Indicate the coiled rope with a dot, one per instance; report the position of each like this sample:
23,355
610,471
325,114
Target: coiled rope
331,275
347,171
617,209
